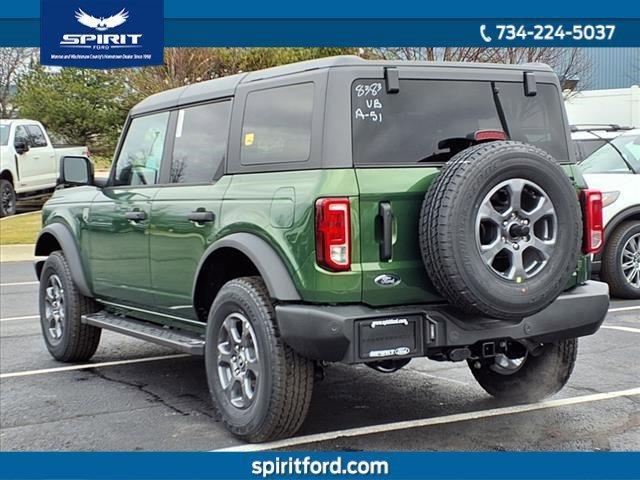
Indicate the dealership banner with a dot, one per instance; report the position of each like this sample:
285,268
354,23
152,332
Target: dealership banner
195,466
129,32
101,34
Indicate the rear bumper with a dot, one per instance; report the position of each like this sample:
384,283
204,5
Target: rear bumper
348,333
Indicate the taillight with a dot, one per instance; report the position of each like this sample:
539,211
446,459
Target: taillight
593,225
333,234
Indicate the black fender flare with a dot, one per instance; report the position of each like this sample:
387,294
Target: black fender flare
272,269
66,240
619,218
611,226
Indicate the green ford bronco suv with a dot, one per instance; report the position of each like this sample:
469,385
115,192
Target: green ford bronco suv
337,210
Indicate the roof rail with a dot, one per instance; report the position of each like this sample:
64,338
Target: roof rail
607,127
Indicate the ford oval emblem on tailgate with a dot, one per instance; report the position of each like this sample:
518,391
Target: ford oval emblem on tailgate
387,280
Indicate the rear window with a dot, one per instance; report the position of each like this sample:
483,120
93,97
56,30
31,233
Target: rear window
428,120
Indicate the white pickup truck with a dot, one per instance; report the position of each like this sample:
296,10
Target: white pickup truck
29,162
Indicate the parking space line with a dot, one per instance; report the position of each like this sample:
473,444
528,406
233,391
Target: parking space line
86,366
624,309
428,422
623,329
437,377
15,284
13,319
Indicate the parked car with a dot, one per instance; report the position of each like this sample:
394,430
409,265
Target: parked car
337,210
611,164
29,162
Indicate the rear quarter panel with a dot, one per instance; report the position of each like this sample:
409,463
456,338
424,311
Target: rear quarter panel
279,207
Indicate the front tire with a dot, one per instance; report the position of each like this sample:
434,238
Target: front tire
7,199
621,261
61,310
532,378
261,388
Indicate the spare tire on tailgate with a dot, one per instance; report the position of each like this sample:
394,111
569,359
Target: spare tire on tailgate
500,230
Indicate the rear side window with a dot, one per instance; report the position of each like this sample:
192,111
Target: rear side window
430,120
200,145
37,136
277,125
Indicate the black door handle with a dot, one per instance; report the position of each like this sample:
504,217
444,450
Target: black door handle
201,216
386,247
136,216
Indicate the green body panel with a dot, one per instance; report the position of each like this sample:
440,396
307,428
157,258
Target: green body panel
176,245
583,271
147,269
69,207
404,189
280,208
119,248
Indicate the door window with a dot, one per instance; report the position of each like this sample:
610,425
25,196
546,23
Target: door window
200,146
37,136
21,136
277,125
141,153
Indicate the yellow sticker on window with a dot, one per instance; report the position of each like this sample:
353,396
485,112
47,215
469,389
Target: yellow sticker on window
248,139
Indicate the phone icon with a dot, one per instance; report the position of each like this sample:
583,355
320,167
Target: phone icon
484,35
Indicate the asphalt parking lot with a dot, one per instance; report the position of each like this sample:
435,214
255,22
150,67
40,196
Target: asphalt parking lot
138,396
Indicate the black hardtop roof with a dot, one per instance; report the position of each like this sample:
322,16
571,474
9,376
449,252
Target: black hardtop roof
226,86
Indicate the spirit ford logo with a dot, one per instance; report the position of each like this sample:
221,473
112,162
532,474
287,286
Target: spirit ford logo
100,39
101,34
101,24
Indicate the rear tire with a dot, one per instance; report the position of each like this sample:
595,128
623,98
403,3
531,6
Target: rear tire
7,199
537,377
622,249
61,309
261,388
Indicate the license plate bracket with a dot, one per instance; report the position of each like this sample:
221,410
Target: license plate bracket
389,337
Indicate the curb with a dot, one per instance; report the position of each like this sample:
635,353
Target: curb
17,253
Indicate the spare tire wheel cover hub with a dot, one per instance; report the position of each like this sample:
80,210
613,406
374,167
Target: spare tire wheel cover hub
516,229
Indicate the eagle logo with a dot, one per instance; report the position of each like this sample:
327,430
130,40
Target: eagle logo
101,24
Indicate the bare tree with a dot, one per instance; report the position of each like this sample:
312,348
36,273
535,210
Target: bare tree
569,63
13,63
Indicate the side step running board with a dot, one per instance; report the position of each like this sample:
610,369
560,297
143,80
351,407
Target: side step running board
179,339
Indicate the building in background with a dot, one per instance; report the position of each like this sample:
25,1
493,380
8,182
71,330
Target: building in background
611,68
